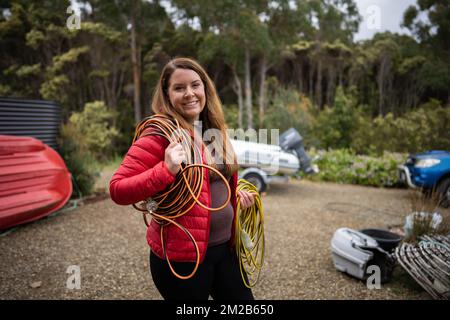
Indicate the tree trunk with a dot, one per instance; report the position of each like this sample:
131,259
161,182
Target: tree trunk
380,82
135,60
311,80
120,85
299,76
331,85
448,96
248,90
319,84
262,90
295,78
380,96
237,88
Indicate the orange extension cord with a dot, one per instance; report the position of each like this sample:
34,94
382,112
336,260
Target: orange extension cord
182,194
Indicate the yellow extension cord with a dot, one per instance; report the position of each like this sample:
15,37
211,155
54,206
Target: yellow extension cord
249,236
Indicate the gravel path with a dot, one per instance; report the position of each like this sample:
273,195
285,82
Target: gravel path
108,243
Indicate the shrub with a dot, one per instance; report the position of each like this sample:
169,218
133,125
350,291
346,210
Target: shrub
422,129
345,166
78,159
231,115
96,131
334,126
288,109
125,125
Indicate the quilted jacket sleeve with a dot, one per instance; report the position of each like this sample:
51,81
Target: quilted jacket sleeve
142,173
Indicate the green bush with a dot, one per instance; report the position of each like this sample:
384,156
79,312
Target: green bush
87,139
345,166
335,125
347,125
231,115
125,126
96,132
80,162
419,130
288,109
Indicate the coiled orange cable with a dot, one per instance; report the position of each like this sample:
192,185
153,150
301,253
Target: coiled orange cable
182,194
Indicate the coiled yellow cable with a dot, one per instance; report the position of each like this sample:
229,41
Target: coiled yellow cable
249,236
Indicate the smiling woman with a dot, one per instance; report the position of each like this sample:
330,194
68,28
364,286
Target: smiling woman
185,93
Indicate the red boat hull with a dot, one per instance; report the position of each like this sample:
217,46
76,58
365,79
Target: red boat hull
34,180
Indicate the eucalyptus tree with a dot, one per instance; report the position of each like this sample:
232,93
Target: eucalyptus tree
241,24
222,48
386,54
333,19
287,22
39,55
337,59
144,23
297,57
434,34
256,40
409,87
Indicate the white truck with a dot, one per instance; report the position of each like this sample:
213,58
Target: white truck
264,164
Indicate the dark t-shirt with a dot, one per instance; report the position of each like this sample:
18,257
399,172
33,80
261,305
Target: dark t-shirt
221,221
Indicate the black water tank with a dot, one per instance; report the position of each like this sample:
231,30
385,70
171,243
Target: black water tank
32,118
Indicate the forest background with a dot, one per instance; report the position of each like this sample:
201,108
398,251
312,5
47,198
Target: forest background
361,105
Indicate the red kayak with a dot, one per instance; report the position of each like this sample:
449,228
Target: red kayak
34,180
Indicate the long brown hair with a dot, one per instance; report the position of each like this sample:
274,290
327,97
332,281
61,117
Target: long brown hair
212,116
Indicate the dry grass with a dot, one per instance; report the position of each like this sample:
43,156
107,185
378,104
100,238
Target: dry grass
422,207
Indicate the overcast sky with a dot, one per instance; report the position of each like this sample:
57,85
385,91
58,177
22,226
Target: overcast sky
377,16
380,16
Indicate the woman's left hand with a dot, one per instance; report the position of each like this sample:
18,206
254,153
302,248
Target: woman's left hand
247,199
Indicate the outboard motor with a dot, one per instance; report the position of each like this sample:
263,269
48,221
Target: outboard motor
292,141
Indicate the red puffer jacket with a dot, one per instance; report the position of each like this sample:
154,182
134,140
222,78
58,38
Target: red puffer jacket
141,175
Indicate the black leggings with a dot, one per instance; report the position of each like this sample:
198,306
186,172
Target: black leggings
218,275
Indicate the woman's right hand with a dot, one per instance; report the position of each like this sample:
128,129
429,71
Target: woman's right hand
174,156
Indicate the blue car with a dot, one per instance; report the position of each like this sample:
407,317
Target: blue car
428,171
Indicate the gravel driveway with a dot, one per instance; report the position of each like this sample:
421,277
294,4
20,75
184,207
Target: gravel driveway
108,243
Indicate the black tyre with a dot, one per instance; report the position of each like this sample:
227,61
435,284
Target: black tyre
257,181
444,193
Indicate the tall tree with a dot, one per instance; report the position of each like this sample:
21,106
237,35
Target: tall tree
434,33
386,54
144,23
237,20
286,21
335,19
136,57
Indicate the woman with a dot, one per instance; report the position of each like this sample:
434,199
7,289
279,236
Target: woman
186,93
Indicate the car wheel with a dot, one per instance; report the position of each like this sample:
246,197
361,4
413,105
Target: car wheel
257,181
444,193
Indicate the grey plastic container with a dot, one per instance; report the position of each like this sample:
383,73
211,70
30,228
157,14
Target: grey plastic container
350,251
